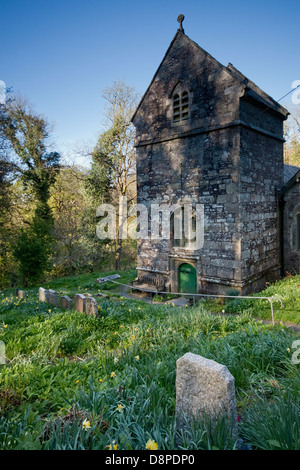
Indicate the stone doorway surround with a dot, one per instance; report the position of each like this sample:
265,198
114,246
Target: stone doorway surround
175,260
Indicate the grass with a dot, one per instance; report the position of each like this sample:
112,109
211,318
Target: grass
117,372
287,289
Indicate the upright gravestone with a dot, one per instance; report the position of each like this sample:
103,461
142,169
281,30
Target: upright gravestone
66,302
80,303
42,294
91,307
53,298
21,294
204,386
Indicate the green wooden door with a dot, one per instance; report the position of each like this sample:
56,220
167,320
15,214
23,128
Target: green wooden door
187,279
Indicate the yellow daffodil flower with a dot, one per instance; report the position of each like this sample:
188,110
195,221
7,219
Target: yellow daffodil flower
151,445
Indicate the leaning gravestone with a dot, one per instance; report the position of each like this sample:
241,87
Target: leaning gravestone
204,386
66,302
108,278
80,303
53,298
91,307
42,294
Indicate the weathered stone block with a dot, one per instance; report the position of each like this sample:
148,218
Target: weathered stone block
203,386
21,294
53,298
66,302
91,307
80,301
42,294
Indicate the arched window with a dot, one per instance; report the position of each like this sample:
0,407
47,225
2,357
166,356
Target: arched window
181,230
180,106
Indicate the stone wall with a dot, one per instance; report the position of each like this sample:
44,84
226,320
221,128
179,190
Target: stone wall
291,235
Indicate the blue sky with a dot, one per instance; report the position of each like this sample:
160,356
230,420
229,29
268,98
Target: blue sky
61,54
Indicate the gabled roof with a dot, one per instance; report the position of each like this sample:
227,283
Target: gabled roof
291,175
250,88
289,172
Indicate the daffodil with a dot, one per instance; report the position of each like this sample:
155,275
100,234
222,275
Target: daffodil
114,446
151,445
113,374
86,424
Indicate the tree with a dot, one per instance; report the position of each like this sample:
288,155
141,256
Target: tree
32,161
292,136
112,173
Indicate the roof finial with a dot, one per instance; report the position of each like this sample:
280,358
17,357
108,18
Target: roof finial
180,20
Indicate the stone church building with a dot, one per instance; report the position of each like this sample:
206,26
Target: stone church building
206,134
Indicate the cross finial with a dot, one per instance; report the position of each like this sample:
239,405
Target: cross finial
180,20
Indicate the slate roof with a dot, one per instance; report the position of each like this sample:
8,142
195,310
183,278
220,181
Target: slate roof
251,89
289,171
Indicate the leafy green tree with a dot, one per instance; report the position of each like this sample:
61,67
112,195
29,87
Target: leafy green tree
32,161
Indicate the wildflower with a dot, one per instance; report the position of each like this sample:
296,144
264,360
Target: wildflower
116,360
5,326
139,308
129,310
137,358
100,380
49,311
86,424
288,350
113,374
151,445
77,382
114,446
120,407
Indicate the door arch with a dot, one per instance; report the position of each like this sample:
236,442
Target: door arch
187,279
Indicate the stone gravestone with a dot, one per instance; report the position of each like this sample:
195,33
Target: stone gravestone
204,386
21,294
42,294
66,302
80,303
91,307
53,298
108,278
